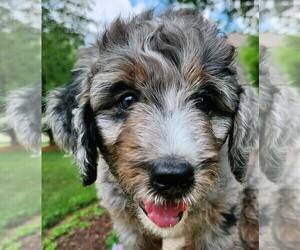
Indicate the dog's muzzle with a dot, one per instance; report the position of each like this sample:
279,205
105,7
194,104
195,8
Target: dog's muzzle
172,179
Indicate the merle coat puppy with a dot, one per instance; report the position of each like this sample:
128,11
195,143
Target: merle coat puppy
159,117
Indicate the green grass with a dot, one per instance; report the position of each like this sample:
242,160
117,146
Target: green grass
20,188
111,240
62,192
13,243
4,140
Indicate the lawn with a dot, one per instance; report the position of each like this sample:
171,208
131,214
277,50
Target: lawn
62,191
20,187
4,140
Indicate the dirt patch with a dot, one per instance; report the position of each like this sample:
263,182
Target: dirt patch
31,242
92,238
12,148
50,148
25,235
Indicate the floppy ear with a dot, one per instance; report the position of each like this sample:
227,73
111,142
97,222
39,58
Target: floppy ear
74,127
244,133
279,119
87,142
60,104
279,128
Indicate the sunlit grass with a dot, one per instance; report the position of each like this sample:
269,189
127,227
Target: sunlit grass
20,191
62,192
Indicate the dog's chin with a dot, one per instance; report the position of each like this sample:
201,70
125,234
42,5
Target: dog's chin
163,219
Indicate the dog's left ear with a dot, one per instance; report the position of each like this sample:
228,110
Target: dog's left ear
244,133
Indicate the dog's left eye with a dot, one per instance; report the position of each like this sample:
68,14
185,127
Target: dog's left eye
127,101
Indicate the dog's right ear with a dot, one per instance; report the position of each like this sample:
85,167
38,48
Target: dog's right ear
60,105
74,127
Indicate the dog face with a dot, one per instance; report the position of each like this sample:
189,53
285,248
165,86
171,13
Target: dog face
158,97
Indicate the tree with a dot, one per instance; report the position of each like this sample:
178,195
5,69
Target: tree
230,11
64,26
20,46
249,55
279,16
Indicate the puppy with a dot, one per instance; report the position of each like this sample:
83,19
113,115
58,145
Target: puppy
159,117
279,158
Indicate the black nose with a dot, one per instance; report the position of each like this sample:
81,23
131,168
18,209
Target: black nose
171,176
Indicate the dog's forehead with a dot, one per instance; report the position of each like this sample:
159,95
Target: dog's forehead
179,44
154,54
150,68
153,47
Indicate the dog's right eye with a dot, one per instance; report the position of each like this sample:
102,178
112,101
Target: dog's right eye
204,103
126,101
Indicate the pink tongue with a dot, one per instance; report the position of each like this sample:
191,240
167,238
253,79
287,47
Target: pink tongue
164,215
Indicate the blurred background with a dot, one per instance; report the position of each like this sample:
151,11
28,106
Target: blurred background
20,126
39,43
279,117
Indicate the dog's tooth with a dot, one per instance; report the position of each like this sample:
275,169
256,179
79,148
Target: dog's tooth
143,208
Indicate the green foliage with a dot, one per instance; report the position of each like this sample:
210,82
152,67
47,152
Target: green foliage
59,55
20,46
12,242
14,246
111,239
84,224
62,191
64,26
249,56
51,246
287,57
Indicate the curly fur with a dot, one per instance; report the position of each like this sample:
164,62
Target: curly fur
279,158
23,115
191,104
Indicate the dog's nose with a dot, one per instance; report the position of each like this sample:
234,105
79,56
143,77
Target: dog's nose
172,176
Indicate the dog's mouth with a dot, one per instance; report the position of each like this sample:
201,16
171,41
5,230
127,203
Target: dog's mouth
164,216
